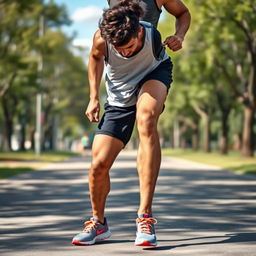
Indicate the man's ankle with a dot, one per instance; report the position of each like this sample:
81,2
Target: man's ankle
145,214
102,220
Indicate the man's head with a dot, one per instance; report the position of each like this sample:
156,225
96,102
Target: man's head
120,25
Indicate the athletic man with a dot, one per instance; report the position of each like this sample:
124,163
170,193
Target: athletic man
138,76
152,11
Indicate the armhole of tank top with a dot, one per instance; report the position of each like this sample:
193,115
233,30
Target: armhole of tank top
157,46
157,7
107,52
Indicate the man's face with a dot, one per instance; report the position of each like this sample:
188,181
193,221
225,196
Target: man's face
129,48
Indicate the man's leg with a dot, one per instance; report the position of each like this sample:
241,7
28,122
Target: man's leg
104,151
149,107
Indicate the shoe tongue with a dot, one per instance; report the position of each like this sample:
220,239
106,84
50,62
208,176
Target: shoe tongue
95,219
145,215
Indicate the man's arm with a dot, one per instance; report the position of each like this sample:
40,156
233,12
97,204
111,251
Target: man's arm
95,71
182,14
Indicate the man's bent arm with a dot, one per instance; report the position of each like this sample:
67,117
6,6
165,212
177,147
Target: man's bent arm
182,14
96,65
95,71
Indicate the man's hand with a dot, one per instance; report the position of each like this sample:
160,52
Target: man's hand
93,111
174,42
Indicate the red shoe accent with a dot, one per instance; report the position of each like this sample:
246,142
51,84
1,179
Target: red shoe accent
146,243
100,231
76,242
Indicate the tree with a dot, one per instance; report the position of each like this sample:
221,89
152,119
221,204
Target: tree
239,64
18,31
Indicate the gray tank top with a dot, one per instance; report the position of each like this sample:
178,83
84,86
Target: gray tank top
123,74
152,12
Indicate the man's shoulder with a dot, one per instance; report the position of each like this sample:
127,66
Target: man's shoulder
97,37
99,43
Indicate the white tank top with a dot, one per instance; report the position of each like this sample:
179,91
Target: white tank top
124,73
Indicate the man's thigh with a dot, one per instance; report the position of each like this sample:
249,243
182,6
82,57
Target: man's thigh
118,122
151,98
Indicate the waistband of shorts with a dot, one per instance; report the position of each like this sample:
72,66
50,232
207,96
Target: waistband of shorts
107,105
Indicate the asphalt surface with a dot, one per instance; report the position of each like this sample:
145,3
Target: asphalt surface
200,210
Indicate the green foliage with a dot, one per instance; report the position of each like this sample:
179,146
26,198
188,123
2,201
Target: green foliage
213,73
28,35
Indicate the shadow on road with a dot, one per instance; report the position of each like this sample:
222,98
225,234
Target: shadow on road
229,238
44,209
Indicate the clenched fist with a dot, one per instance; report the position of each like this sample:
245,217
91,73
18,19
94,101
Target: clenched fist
93,110
174,42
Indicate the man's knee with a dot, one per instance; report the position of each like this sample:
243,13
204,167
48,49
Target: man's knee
147,122
99,167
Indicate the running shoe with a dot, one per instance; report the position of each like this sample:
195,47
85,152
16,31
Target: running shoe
145,235
93,232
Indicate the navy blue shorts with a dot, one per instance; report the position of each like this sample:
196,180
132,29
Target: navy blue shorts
118,122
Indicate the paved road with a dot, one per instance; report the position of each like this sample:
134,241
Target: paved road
200,210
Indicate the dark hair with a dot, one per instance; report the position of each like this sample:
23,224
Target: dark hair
121,22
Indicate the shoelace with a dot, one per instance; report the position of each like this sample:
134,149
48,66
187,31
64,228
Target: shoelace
89,225
146,224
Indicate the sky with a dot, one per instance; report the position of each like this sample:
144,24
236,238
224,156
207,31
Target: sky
84,15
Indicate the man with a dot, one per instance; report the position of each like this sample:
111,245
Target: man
138,76
85,143
152,11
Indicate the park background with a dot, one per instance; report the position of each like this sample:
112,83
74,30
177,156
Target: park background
210,110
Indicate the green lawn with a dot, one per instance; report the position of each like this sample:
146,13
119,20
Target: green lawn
10,171
48,156
28,161
233,161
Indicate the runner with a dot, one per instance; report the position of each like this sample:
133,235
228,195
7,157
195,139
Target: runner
138,77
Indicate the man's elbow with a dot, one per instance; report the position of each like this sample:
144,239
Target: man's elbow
184,13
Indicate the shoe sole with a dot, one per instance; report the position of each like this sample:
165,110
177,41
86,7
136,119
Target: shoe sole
96,239
146,243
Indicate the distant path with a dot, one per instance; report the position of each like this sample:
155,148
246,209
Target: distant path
200,210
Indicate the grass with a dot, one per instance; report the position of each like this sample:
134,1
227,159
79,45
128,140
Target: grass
10,171
48,156
233,161
28,161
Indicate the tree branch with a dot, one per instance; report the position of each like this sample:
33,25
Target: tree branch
228,76
245,28
188,122
199,111
8,84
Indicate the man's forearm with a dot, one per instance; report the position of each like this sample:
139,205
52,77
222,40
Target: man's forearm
182,24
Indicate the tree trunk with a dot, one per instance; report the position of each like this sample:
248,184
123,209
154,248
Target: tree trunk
176,134
206,127
238,142
206,137
247,137
182,142
8,126
172,138
195,139
224,133
183,130
32,139
22,136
